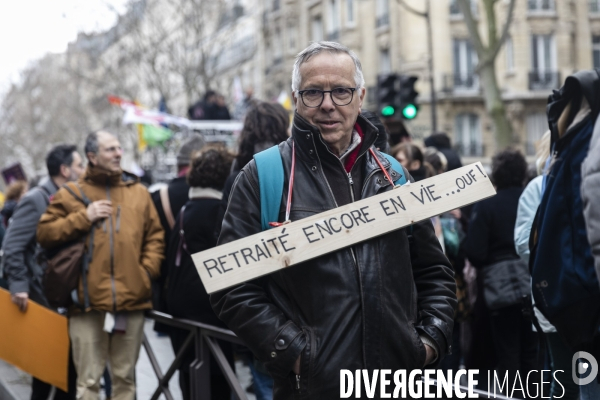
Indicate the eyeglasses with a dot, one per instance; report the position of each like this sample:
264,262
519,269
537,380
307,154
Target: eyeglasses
313,98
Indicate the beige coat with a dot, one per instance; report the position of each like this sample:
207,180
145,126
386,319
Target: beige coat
128,247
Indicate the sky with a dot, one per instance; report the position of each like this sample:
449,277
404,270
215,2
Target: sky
31,28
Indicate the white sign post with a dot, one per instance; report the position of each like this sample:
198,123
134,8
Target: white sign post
269,251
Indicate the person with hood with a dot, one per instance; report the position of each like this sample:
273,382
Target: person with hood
442,142
367,306
123,232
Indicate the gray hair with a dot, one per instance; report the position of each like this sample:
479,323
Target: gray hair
91,143
331,47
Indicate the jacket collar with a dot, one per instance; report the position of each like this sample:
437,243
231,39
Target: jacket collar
49,186
101,177
204,193
308,137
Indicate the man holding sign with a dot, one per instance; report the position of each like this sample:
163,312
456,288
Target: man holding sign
385,303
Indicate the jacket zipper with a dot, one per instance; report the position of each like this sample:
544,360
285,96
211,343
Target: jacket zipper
112,256
118,218
336,204
351,186
297,382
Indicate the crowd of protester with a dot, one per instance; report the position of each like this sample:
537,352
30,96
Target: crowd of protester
144,242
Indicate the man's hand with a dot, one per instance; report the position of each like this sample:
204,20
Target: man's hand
430,356
20,299
296,368
99,210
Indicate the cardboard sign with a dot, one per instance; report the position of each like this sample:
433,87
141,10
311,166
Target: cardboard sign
269,251
36,341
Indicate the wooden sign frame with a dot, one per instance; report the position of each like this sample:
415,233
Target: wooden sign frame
269,251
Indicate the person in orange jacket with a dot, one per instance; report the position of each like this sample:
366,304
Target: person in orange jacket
128,247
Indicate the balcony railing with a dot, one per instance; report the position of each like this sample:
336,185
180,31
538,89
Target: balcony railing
382,20
458,83
542,6
544,80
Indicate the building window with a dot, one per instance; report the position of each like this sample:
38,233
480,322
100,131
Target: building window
540,5
594,6
536,124
544,74
292,37
334,23
317,29
596,51
382,13
455,9
277,48
510,55
385,62
465,61
350,12
467,134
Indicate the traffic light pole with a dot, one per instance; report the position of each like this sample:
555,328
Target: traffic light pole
433,98
431,78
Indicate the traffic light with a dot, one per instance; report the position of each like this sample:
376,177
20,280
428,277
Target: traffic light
396,95
407,97
387,94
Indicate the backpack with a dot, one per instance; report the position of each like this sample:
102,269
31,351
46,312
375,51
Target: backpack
65,264
564,282
270,181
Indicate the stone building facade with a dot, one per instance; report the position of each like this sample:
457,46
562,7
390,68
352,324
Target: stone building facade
548,40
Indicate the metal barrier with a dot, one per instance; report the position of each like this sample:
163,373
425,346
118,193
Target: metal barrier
204,338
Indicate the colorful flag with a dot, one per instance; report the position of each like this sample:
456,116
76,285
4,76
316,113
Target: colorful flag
155,134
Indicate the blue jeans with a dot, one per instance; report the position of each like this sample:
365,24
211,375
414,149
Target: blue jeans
560,359
590,391
263,383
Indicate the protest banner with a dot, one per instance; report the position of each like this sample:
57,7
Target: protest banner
36,341
269,251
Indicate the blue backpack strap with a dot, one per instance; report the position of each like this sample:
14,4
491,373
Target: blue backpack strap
270,181
396,167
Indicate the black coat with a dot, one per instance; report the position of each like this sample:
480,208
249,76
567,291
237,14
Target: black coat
491,235
360,307
178,196
178,190
185,294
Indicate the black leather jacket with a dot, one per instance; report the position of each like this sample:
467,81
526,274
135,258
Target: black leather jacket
360,307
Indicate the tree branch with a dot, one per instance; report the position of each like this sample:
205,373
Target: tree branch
494,51
412,10
465,8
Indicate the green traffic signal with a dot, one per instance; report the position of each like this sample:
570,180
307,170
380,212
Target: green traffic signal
409,112
388,111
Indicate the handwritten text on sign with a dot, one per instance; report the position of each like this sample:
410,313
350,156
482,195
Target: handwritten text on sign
266,252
